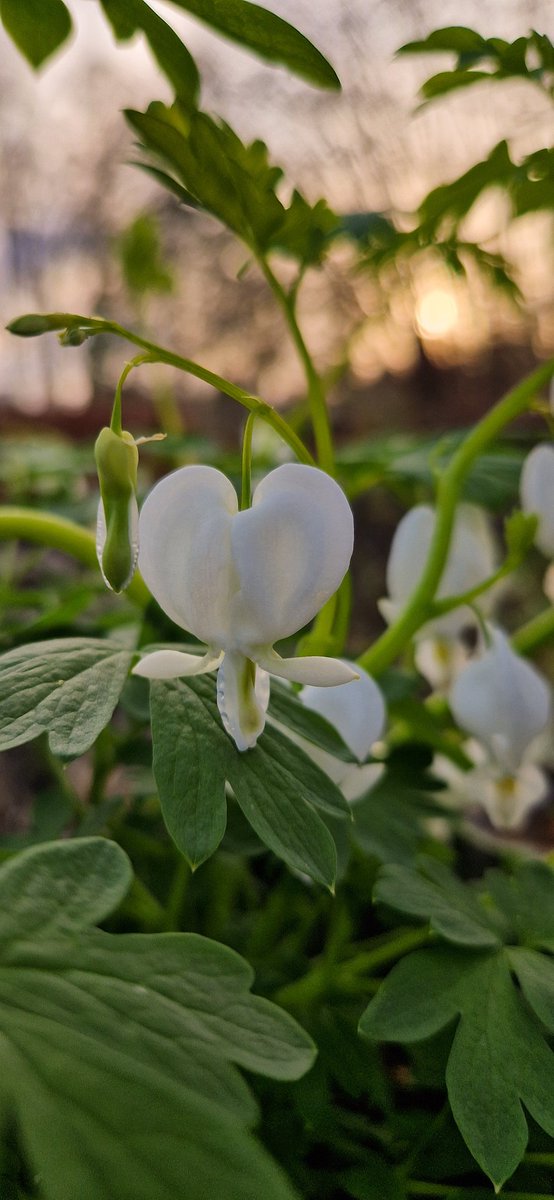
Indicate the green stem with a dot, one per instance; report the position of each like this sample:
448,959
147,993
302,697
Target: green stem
46,529
116,419
539,1158
317,400
34,325
391,643
246,468
320,981
400,944
534,633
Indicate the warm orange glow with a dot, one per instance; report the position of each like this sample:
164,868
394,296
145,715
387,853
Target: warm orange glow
436,313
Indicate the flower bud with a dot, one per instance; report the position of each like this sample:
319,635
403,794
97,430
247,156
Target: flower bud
117,526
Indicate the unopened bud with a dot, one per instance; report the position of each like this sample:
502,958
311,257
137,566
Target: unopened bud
117,526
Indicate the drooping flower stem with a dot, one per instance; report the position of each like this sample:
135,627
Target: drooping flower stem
46,529
387,648
116,419
35,324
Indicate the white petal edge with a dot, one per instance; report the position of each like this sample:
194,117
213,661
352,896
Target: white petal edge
314,669
357,713
172,664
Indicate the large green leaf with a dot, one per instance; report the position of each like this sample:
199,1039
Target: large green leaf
452,909
118,1052
499,1060
265,33
38,27
128,16
212,168
277,786
67,687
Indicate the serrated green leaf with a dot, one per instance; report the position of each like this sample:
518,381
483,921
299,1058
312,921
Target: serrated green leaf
526,898
210,167
155,1024
38,27
285,707
128,16
276,785
499,1059
67,687
435,894
266,34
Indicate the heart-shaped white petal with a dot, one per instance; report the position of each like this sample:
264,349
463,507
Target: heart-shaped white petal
291,551
357,711
185,550
242,579
501,700
537,494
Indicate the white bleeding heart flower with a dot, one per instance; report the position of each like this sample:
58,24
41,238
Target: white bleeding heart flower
472,558
508,799
537,494
440,660
240,581
503,701
358,713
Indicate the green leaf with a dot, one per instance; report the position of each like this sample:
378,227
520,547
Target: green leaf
128,16
285,707
61,888
435,894
156,1024
38,27
498,1059
189,768
67,687
266,34
209,166
276,785
141,258
453,37
526,899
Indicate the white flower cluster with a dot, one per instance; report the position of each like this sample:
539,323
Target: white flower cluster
242,580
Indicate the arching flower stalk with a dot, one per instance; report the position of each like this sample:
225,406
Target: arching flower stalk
241,581
505,704
440,653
